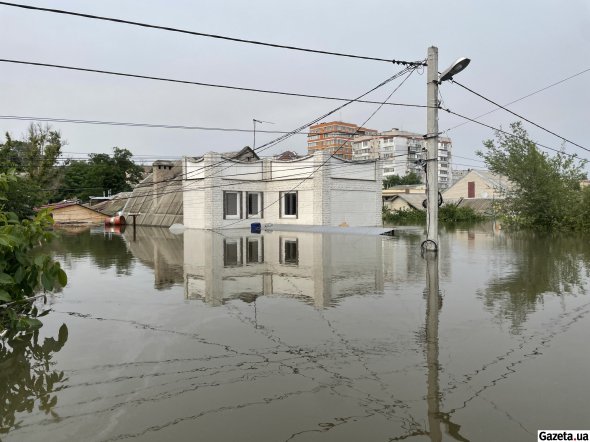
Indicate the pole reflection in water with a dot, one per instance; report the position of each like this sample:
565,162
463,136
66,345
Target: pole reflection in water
433,306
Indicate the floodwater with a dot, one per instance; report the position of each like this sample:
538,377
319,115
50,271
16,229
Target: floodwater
305,337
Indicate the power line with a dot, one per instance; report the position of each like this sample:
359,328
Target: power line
523,97
321,117
520,116
299,129
509,134
134,124
216,36
196,83
402,72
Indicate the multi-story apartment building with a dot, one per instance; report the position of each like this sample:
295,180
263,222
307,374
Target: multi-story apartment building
335,137
401,152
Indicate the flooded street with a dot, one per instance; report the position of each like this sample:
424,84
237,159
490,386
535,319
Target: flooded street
290,336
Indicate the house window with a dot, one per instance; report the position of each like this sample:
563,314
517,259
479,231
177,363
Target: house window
471,189
232,205
254,204
289,251
255,250
289,205
232,252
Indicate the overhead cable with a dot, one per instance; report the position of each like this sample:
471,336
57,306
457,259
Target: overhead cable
203,34
410,71
509,134
523,97
134,124
194,83
520,116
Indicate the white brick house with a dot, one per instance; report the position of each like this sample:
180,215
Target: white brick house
234,191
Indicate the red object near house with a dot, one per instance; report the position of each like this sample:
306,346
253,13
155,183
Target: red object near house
115,221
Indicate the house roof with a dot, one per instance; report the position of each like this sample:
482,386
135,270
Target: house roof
114,205
246,154
64,204
414,200
494,181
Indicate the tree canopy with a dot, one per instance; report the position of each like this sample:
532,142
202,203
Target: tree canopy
101,173
545,190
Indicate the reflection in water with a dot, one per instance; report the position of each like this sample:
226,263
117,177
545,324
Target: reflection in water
169,367
309,266
160,250
434,303
27,380
541,264
107,249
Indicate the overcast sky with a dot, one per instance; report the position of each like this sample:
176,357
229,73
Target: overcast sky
516,47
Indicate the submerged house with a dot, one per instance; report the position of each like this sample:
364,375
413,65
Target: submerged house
73,212
234,190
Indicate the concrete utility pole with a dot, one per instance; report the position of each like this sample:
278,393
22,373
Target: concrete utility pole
432,151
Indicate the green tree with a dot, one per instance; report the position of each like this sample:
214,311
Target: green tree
396,180
34,159
35,156
545,189
101,173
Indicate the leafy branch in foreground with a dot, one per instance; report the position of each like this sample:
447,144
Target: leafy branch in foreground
24,270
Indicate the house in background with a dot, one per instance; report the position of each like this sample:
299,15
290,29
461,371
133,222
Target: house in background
478,184
404,201
73,212
221,191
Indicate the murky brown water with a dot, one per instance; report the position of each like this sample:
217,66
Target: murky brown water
306,337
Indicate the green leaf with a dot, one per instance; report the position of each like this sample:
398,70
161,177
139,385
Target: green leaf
40,260
62,277
32,322
46,281
6,279
19,275
5,296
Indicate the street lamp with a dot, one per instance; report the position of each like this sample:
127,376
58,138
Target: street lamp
431,243
454,69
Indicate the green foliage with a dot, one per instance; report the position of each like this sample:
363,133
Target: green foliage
403,217
102,172
546,191
35,156
396,180
450,213
27,377
22,271
447,213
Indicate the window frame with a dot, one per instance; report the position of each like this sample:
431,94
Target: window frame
239,204
282,213
259,258
260,213
282,251
238,242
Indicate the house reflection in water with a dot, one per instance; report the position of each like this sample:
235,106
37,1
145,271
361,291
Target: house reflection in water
315,267
160,250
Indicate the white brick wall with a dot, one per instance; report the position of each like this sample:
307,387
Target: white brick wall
354,197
